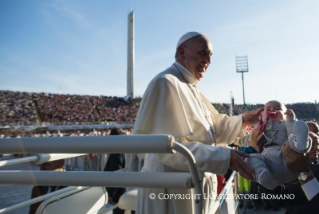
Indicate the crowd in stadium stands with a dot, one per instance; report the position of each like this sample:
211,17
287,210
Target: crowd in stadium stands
307,111
64,109
19,108
303,111
239,109
16,108
58,133
115,109
222,108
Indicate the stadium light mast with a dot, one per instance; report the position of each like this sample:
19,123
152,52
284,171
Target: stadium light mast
242,67
130,55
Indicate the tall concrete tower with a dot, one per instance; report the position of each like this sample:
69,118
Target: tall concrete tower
130,55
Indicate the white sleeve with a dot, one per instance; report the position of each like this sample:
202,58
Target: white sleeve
208,158
311,188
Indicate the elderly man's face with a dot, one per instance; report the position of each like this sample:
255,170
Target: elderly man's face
197,56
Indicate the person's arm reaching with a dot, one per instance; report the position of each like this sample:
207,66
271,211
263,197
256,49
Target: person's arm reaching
209,159
299,163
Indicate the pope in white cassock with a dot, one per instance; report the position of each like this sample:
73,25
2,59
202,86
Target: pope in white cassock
173,105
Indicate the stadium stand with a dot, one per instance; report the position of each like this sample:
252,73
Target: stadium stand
115,109
304,111
65,109
16,108
22,108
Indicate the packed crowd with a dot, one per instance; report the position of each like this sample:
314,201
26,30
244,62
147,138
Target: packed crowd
222,108
58,133
303,111
16,108
307,111
20,108
64,109
115,109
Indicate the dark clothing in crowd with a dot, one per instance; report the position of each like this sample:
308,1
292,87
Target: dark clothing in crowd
300,202
115,162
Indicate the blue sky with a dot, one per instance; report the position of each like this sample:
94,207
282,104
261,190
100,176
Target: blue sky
79,47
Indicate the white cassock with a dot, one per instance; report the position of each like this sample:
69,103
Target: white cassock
172,105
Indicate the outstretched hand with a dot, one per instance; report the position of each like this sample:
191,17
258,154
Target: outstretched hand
298,162
239,165
251,118
254,139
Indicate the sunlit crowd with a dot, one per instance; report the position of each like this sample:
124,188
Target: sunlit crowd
22,108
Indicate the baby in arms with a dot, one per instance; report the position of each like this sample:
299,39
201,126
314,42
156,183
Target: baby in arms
278,125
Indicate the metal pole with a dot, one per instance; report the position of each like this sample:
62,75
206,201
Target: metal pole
19,160
41,198
231,105
91,144
242,78
195,176
172,180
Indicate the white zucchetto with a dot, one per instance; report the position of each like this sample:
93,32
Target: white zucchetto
188,36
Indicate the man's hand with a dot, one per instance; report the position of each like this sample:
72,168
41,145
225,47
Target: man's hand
297,162
239,165
254,139
110,200
250,118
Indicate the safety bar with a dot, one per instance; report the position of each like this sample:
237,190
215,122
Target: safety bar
216,206
38,158
95,178
105,211
103,144
18,160
89,144
62,195
192,167
41,198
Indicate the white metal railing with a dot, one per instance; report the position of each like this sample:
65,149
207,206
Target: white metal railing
94,178
160,144
38,159
101,144
73,189
105,211
57,194
89,144
217,205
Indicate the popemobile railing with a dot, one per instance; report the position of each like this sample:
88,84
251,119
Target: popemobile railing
77,180
102,144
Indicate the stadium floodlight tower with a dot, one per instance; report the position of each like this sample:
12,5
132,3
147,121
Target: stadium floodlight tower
242,67
130,55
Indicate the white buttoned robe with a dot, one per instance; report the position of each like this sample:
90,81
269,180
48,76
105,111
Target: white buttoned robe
171,105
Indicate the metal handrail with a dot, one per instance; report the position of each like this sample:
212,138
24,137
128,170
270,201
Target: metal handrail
219,202
105,211
97,178
60,193
38,159
89,144
18,160
98,144
40,198
194,172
